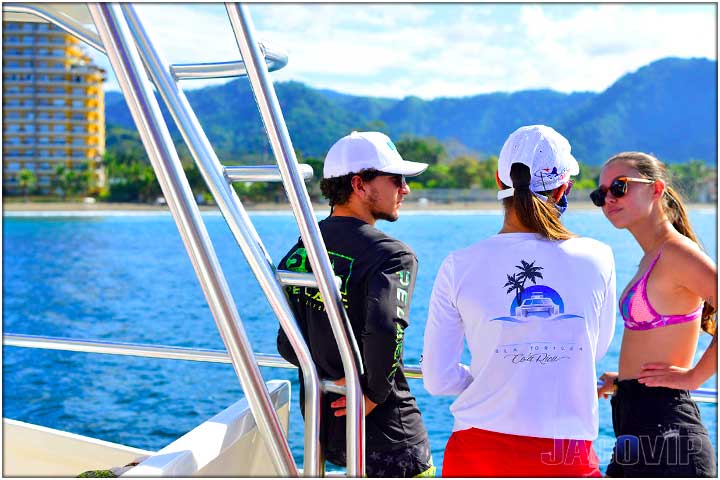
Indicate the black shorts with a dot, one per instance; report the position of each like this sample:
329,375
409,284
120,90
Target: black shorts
659,434
412,461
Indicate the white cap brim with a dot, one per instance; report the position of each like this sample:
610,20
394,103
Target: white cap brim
409,169
367,150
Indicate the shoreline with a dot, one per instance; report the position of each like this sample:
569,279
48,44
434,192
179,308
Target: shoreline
75,207
28,208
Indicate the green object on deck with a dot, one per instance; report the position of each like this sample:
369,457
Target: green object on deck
97,474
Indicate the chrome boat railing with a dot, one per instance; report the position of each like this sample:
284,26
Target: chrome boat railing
122,51
138,65
703,395
275,57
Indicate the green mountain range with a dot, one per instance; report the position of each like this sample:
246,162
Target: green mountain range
667,107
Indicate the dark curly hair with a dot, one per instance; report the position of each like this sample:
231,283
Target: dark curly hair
338,189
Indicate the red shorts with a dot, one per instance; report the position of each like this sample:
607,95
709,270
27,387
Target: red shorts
481,453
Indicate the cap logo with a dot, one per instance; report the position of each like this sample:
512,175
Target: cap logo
391,145
550,174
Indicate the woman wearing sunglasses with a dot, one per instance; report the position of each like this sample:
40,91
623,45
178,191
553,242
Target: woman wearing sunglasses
536,305
665,306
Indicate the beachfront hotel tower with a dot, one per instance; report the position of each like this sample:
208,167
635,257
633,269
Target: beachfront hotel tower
53,105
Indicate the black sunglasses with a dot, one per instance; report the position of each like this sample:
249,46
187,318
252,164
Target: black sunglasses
618,188
397,178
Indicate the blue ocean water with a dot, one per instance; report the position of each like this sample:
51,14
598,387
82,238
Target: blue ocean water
127,278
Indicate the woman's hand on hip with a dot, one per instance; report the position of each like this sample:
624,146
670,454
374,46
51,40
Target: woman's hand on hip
664,375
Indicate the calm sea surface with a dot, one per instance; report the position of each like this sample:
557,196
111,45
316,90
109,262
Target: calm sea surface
127,278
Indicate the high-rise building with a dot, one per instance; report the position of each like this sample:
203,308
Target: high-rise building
53,104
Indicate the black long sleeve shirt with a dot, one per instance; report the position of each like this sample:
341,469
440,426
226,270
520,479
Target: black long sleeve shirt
378,278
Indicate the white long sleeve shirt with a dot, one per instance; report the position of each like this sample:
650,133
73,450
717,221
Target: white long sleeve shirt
537,314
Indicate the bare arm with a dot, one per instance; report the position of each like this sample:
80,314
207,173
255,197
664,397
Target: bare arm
664,375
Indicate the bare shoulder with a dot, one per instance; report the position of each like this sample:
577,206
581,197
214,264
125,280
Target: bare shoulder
681,251
688,262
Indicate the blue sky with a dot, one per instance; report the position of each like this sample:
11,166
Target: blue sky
443,50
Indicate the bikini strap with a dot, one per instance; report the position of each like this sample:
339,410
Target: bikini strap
652,264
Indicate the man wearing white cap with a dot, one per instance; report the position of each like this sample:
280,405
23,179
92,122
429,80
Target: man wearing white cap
364,181
536,305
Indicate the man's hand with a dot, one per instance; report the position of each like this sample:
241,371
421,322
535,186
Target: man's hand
341,403
608,386
664,375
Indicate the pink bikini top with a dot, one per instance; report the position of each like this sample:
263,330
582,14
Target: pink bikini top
637,312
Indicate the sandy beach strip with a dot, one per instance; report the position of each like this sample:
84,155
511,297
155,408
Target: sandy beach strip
19,208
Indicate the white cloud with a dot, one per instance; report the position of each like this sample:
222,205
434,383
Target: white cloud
445,50
592,48
190,34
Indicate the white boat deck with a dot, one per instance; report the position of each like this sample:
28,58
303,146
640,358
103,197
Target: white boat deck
228,444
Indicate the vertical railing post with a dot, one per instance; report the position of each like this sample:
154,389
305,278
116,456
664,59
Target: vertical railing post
279,137
124,58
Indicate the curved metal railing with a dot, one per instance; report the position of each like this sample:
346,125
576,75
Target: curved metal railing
122,51
703,395
277,132
134,58
275,57
132,55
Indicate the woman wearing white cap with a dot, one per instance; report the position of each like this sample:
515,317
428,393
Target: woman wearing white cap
536,306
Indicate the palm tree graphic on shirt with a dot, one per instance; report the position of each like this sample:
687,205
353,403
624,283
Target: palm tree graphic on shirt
515,284
536,300
516,281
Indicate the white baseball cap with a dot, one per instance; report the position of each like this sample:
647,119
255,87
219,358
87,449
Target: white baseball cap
362,150
544,151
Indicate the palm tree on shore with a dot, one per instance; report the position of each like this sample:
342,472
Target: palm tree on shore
27,181
60,180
